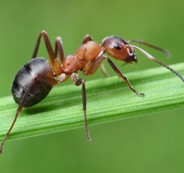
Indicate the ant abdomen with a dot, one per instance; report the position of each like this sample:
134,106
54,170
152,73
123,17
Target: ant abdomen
27,77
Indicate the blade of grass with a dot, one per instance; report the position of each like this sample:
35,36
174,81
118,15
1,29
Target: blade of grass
108,99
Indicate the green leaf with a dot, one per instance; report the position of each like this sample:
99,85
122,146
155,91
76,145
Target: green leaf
108,99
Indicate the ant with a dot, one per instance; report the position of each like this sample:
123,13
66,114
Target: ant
35,80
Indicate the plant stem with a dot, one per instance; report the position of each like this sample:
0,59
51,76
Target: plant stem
108,99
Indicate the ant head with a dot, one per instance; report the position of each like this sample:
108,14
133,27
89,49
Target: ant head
119,49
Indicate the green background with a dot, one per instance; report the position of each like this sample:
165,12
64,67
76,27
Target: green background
151,143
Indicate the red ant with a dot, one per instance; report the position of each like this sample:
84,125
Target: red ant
35,80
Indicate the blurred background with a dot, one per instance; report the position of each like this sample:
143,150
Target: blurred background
145,144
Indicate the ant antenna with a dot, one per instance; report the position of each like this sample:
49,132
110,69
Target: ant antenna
11,127
158,62
164,51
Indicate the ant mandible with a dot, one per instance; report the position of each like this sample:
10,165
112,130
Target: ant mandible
34,81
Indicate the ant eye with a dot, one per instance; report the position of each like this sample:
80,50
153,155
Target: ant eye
117,46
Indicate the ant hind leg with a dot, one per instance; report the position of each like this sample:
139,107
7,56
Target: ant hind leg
19,109
103,69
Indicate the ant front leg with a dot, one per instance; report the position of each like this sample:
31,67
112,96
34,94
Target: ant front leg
78,82
92,66
103,69
118,72
52,56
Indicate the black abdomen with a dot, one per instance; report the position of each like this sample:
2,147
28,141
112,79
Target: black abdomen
29,75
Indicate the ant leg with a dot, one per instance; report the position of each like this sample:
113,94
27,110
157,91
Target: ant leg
59,49
57,63
86,39
60,79
19,109
21,105
164,51
89,38
118,72
49,80
44,35
79,82
104,71
92,66
11,127
54,62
